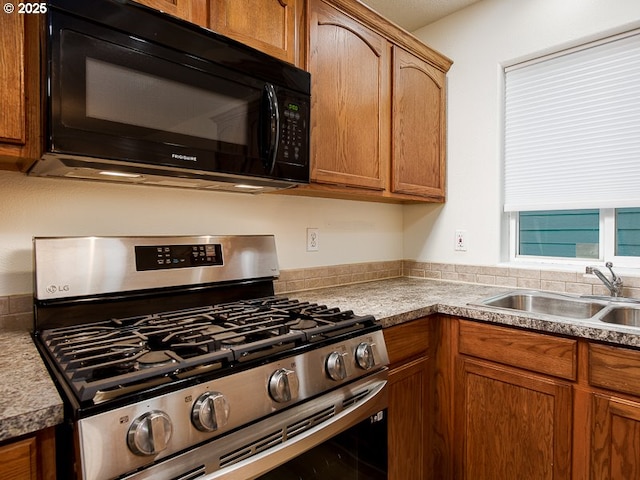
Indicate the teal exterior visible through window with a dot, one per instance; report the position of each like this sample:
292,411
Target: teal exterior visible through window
562,233
628,232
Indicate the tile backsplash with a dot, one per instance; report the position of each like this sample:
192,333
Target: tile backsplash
16,311
551,280
318,277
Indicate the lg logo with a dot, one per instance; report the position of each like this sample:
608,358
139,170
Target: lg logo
57,288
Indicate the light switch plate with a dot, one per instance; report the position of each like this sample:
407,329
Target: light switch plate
461,241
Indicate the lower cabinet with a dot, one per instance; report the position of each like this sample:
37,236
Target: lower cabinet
615,412
29,458
615,439
18,460
409,412
531,405
471,400
513,403
408,422
511,424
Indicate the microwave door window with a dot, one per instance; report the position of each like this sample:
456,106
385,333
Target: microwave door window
219,118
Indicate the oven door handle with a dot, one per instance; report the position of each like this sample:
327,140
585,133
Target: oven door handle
254,466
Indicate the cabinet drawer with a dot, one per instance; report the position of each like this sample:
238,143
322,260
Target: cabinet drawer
407,340
614,368
532,351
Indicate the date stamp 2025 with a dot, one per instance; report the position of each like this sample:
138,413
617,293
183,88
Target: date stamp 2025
27,8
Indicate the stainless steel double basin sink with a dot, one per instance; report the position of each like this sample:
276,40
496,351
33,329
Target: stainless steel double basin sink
611,310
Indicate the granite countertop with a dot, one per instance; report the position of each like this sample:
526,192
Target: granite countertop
403,299
29,400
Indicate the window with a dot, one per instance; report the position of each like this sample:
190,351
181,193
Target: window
628,232
577,234
572,153
560,233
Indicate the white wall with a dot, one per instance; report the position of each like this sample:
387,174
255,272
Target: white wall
350,232
480,40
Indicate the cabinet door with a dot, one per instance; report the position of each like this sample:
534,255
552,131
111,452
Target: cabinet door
408,421
194,11
615,443
18,460
267,25
19,90
349,67
511,424
418,156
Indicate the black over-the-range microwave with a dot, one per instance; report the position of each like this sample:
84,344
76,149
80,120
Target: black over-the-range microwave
135,95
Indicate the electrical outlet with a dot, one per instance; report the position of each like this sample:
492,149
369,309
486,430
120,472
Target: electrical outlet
313,238
461,241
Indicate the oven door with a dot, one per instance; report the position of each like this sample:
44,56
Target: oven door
341,434
359,453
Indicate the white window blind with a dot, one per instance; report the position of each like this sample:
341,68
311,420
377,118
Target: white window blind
572,129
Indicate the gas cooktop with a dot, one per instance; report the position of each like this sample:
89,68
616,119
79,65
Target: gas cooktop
105,359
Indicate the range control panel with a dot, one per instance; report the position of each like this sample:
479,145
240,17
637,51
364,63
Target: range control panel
160,257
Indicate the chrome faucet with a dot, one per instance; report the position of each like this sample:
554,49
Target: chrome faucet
614,285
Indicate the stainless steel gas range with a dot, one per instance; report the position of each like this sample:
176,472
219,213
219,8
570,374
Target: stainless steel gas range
177,361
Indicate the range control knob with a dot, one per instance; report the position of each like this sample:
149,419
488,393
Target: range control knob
364,356
336,367
283,385
210,412
150,433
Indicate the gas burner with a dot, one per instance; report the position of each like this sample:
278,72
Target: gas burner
217,329
230,339
110,356
102,373
156,358
303,324
224,336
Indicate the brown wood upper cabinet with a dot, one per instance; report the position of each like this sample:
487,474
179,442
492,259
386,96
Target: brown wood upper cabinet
20,137
378,108
194,11
270,26
349,66
418,127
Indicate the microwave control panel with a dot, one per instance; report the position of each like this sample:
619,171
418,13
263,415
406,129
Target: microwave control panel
293,140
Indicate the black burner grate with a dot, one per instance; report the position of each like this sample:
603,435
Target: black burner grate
119,353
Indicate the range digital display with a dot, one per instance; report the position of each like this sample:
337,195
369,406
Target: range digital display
160,257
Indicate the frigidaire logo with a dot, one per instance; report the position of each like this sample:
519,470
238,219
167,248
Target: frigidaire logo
184,157
57,288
